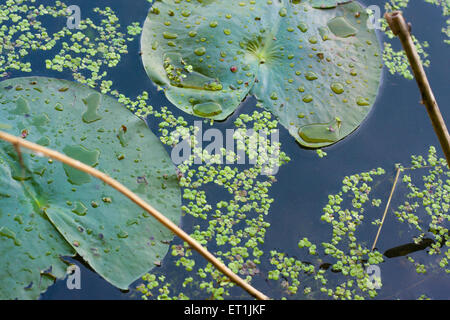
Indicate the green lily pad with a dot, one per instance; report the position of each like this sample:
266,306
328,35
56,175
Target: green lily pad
49,210
311,67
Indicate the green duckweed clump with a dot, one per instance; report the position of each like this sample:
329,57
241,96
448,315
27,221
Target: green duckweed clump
426,208
234,226
22,33
86,51
343,254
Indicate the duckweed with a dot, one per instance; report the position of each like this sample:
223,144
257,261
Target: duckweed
235,226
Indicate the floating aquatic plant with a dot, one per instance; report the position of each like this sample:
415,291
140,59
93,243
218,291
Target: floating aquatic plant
49,210
426,209
444,5
232,226
396,61
22,33
344,253
336,268
93,48
316,66
229,224
87,51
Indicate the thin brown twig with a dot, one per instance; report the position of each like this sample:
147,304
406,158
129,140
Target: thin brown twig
387,207
401,29
16,141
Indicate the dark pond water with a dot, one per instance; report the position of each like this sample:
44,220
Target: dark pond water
397,128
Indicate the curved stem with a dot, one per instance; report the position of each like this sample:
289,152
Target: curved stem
16,141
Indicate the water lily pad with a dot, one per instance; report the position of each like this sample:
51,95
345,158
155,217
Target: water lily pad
49,210
326,4
310,63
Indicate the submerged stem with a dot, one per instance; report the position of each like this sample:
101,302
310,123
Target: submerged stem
387,207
